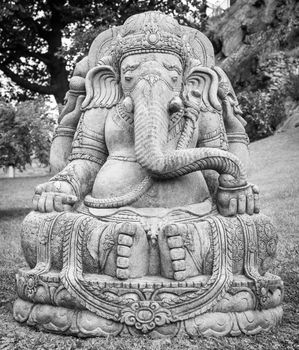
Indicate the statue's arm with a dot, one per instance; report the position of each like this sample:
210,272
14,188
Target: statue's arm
88,154
69,117
243,200
237,138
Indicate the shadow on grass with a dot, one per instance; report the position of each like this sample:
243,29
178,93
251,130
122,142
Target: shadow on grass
14,212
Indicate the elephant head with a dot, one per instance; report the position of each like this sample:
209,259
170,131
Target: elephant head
152,86
153,73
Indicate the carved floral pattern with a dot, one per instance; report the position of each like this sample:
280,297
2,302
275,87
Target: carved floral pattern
31,285
145,315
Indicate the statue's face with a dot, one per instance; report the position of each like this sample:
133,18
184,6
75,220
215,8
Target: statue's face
152,67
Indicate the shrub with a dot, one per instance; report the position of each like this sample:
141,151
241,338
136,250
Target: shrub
25,133
263,112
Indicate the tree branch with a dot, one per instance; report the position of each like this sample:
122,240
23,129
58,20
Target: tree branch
40,56
70,13
22,51
45,90
30,22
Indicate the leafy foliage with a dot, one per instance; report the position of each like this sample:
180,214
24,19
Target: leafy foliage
25,132
35,33
262,111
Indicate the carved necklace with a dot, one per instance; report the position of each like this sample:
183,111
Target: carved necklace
122,118
176,124
125,119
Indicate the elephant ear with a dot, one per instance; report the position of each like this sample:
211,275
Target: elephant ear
102,88
201,86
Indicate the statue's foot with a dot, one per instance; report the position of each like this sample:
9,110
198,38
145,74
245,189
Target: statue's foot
177,254
184,248
132,245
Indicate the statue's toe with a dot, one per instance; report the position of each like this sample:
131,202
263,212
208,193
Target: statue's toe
131,262
177,252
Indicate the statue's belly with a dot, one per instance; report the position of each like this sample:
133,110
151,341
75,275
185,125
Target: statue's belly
117,178
176,192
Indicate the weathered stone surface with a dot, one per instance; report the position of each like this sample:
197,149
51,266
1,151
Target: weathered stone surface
138,233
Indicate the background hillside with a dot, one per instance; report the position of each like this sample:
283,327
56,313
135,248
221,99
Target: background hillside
257,43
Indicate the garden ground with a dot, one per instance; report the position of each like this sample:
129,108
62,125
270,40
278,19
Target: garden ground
275,170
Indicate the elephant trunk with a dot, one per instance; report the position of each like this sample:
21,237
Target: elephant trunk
151,130
151,126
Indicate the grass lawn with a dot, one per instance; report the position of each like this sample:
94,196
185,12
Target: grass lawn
275,170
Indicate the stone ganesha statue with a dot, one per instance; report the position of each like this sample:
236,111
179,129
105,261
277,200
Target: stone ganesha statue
150,224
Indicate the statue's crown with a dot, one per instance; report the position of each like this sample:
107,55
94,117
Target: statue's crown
150,32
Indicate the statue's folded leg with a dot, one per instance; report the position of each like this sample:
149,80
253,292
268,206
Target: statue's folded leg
43,235
109,248
233,246
187,248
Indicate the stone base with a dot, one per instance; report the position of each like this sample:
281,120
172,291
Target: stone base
83,323
141,306
91,278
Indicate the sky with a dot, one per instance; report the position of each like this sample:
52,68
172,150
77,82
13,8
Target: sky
224,4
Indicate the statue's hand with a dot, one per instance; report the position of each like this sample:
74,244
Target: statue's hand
241,200
54,196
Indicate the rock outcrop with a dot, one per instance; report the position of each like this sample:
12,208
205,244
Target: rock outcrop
257,44
248,33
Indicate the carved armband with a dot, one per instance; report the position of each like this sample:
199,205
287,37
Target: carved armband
64,131
89,145
238,137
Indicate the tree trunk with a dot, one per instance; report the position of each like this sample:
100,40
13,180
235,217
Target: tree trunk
59,80
10,171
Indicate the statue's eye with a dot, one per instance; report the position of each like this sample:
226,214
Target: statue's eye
128,78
